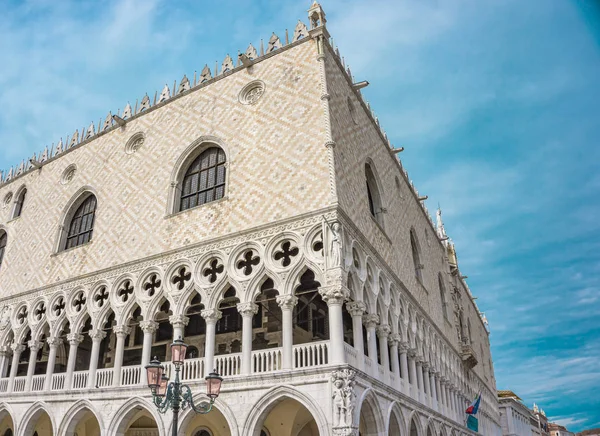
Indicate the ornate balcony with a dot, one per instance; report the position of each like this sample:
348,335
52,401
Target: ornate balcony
468,355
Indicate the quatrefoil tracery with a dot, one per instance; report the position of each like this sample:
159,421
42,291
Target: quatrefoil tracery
79,302
286,253
181,278
213,270
101,296
39,311
59,307
22,315
125,291
248,261
152,285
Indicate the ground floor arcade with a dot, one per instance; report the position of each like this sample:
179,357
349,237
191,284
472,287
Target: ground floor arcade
317,402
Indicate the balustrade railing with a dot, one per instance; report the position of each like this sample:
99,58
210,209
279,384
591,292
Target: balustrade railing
58,381
351,354
229,364
104,377
19,385
80,379
310,354
266,360
37,383
4,385
192,369
131,375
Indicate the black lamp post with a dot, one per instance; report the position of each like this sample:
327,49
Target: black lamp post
175,395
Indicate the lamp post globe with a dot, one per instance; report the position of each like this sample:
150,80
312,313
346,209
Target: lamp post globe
175,395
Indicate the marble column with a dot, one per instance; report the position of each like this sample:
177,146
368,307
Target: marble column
5,353
211,316
394,340
383,332
178,322
74,340
148,328
425,369
97,335
404,367
439,394
370,321
434,399
17,350
53,343
287,304
419,369
335,296
34,347
412,367
247,311
357,310
121,333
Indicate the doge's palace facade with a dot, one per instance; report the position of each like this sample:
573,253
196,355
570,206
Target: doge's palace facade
258,212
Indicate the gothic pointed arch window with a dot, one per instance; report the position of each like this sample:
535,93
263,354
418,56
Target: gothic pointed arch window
204,179
374,195
416,255
80,227
3,242
19,202
443,296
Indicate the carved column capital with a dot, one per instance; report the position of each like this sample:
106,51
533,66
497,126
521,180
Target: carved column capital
149,326
334,294
412,352
179,320
211,315
403,347
287,302
247,309
18,348
75,338
34,345
53,341
384,330
97,334
122,331
395,339
370,320
356,308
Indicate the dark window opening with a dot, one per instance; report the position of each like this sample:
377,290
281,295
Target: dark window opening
82,224
204,180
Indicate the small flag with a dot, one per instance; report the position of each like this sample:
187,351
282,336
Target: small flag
474,407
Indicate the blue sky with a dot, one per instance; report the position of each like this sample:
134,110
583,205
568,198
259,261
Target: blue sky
496,102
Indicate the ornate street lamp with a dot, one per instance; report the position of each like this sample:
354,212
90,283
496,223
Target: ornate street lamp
175,395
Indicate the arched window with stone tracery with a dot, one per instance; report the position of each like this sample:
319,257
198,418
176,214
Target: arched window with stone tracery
374,195
204,179
416,255
3,242
81,225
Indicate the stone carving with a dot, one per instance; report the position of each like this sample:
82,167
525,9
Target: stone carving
343,396
4,317
68,174
126,112
300,32
184,85
335,245
165,94
205,74
145,104
90,131
134,143
227,64
108,122
252,92
251,52
274,43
